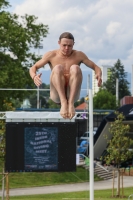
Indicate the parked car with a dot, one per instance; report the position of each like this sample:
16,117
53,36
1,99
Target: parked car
85,136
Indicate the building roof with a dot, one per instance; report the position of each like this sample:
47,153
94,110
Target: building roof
82,106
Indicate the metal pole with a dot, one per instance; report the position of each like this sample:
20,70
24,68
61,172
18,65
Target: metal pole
117,91
38,87
38,98
91,151
87,107
88,85
132,82
10,89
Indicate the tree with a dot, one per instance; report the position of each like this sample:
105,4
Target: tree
43,102
7,106
2,140
3,4
118,146
104,100
53,105
43,97
117,72
46,92
16,40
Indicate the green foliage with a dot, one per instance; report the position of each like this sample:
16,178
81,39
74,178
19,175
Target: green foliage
117,72
2,139
77,103
118,146
104,100
53,105
42,101
16,39
43,97
6,106
3,4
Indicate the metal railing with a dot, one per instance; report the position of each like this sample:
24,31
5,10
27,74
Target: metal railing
130,197
102,167
38,89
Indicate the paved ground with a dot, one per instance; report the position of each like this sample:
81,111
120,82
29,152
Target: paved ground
100,185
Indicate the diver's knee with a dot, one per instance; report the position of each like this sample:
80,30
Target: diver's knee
58,68
75,69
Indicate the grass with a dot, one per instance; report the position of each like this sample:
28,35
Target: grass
37,179
98,195
25,180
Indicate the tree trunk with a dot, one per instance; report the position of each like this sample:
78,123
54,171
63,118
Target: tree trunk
118,184
7,186
122,184
3,184
113,183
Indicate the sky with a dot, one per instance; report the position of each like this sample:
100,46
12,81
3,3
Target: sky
103,29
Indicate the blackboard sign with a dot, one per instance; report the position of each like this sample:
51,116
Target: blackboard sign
41,148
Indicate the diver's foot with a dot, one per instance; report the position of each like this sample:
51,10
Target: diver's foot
64,110
71,111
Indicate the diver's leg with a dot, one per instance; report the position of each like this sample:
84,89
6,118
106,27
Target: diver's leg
57,89
75,82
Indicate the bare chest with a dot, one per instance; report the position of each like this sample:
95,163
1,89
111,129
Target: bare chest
65,62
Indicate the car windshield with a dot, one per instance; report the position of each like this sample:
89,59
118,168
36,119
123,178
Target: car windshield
86,134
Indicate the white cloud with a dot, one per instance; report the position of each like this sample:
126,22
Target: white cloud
102,28
113,28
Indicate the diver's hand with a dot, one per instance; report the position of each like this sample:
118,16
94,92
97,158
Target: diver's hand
37,79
